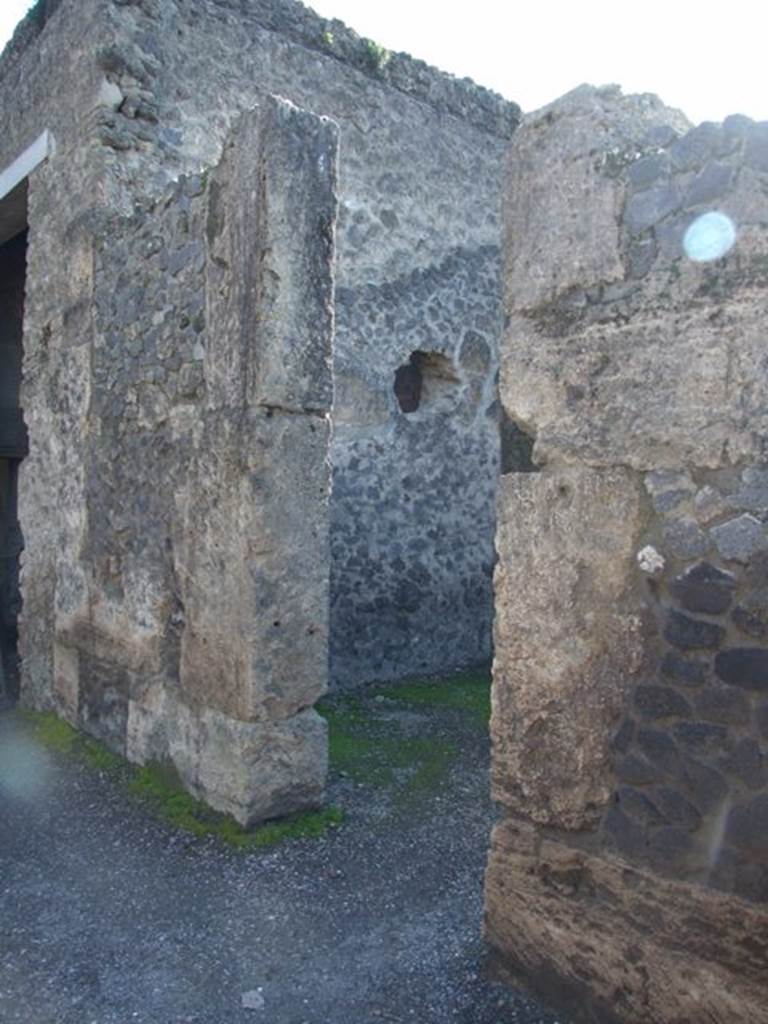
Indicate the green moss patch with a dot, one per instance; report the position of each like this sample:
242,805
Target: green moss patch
469,693
376,752
158,784
159,787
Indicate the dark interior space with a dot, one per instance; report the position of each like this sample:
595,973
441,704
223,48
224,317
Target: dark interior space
13,448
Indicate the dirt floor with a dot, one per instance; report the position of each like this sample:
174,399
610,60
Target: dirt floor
123,902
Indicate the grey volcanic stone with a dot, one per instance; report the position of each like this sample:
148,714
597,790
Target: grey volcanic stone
660,749
748,827
623,737
644,209
628,835
649,170
703,588
752,621
689,634
739,538
654,702
685,671
700,737
746,667
675,809
752,496
670,846
710,183
684,537
708,504
696,146
634,803
637,771
705,786
722,704
747,762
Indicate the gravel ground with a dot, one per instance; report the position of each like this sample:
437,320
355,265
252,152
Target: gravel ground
110,916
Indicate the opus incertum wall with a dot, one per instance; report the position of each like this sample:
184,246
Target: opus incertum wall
182,247
158,86
628,880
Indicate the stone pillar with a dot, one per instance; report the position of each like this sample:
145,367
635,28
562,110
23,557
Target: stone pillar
628,879
203,637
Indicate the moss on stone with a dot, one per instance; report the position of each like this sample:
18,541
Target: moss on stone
158,785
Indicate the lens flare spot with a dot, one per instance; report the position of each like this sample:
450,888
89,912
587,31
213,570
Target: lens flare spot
709,237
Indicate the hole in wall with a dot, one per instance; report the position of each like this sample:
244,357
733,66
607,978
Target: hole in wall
516,447
428,382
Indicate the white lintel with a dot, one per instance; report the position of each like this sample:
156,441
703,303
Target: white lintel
23,165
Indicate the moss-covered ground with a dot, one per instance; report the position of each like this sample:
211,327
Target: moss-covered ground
405,738
401,740
157,785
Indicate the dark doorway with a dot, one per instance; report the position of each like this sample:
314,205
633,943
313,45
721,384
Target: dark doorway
13,448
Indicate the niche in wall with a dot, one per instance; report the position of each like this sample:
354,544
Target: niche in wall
428,382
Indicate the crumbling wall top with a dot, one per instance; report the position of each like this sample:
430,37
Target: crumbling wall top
460,98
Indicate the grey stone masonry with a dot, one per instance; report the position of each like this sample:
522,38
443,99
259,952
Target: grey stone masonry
631,662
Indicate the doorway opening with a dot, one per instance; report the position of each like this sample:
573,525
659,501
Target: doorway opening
13,448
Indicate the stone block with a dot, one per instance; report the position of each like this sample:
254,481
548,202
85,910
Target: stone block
703,588
644,209
603,941
738,539
656,702
746,667
747,828
704,785
700,737
660,749
637,771
691,634
675,808
684,538
636,804
722,704
251,770
710,183
552,743
684,671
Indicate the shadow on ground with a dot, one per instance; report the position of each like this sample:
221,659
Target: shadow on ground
116,907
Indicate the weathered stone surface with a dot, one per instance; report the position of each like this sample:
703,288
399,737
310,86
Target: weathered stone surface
654,702
684,538
603,940
251,770
550,660
684,671
699,736
658,371
748,827
746,667
674,808
703,588
660,749
691,634
708,504
647,208
739,539
722,704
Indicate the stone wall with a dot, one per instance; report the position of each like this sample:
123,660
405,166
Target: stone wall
202,633
177,389
628,880
126,625
418,269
